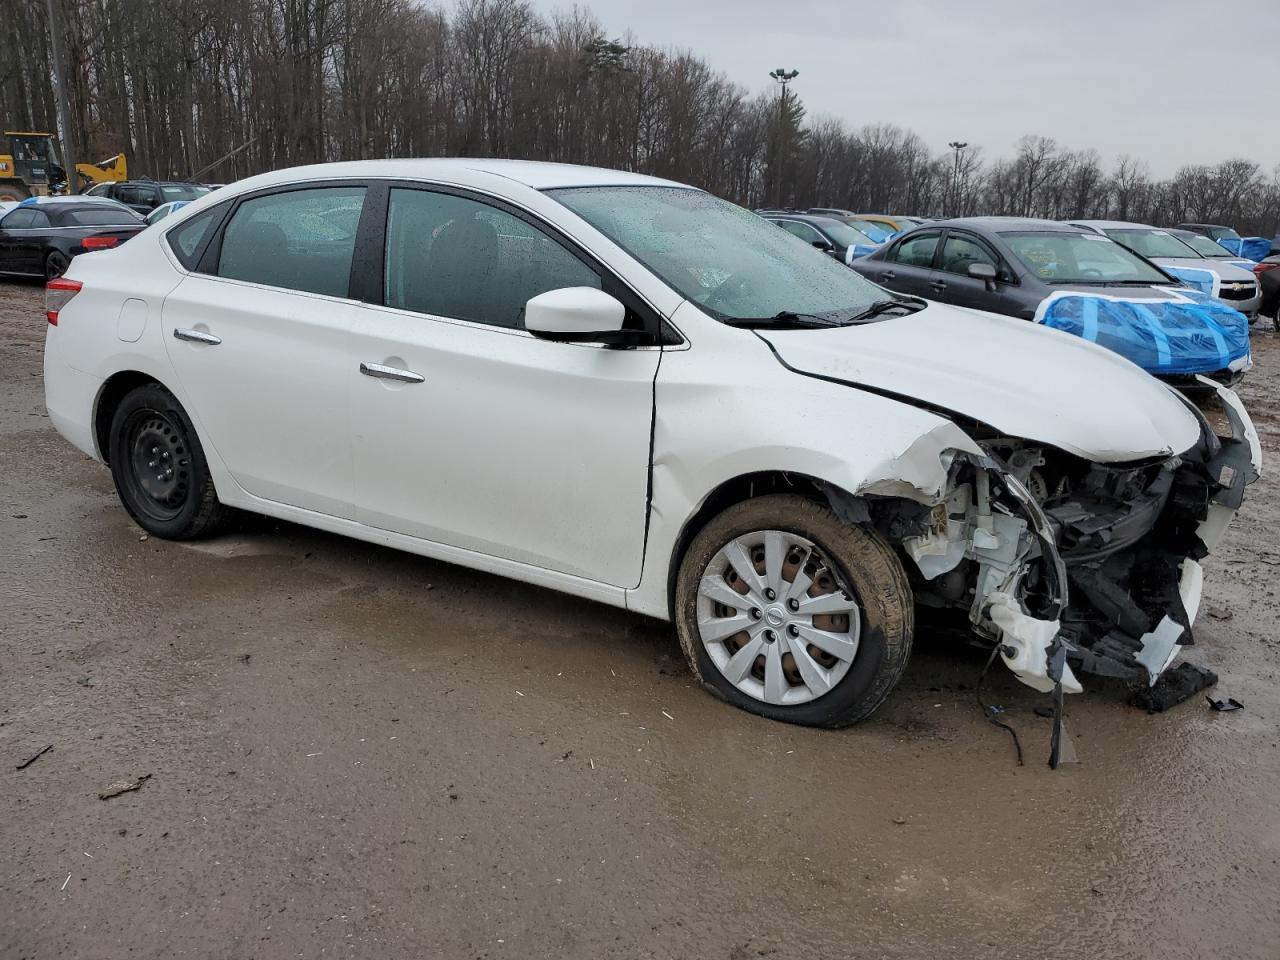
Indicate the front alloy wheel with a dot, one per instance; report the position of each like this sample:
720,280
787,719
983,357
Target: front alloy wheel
787,611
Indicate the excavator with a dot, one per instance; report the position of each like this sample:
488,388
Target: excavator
29,167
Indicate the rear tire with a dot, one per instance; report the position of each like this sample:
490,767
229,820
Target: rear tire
55,264
159,467
865,571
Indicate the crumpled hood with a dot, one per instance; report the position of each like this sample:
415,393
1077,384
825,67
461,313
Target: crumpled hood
1023,379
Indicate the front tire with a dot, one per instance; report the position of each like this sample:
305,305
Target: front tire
159,467
785,610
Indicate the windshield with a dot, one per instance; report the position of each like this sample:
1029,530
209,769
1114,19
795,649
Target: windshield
843,234
1203,245
878,232
1152,243
1080,258
183,191
732,263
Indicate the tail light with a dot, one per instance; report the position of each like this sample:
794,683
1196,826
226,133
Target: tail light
99,243
1260,268
57,294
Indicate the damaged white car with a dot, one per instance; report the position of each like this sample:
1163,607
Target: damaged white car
629,390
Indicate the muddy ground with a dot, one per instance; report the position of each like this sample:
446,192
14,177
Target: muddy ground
353,752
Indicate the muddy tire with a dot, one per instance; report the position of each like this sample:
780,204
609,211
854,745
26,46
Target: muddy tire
825,610
159,467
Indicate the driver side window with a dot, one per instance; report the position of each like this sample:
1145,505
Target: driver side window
916,251
452,256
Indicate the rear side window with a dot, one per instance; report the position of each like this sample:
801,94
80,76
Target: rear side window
100,218
300,240
187,240
916,251
454,257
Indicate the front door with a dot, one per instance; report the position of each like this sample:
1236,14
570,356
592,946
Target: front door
468,430
260,345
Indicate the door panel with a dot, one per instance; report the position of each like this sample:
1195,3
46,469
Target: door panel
908,267
271,397
511,446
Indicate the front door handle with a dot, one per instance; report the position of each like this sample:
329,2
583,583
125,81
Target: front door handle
196,336
383,372
938,285
888,275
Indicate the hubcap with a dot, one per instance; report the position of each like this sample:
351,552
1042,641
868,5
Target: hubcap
776,618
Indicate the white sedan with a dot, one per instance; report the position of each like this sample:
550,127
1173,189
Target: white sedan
627,389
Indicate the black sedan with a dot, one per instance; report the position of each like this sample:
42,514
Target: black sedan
1007,265
842,241
38,239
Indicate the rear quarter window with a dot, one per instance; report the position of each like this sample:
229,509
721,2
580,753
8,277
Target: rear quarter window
188,240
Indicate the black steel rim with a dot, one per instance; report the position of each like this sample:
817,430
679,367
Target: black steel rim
159,466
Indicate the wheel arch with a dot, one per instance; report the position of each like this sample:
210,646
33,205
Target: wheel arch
850,507
113,390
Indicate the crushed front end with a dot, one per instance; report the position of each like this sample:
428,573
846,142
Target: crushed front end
1072,566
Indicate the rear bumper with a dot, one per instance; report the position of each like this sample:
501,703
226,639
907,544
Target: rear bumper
70,396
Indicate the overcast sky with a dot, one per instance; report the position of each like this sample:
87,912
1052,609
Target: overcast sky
1170,81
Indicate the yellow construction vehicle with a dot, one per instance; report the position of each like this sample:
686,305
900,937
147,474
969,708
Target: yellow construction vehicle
29,167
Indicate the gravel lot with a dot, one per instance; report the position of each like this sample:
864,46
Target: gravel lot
354,752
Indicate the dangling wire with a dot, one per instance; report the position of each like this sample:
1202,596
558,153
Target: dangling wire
993,713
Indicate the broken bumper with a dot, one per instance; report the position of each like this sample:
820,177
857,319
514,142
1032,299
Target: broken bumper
1105,580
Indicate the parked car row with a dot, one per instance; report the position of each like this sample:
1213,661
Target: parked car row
630,390
1085,278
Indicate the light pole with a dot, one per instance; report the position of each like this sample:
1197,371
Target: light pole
783,77
957,146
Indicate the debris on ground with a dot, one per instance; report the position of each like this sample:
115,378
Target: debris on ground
1219,613
33,758
1173,687
244,657
123,786
1225,706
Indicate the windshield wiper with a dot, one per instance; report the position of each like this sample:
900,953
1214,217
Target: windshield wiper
883,306
782,318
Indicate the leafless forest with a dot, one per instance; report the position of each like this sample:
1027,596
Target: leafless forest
176,84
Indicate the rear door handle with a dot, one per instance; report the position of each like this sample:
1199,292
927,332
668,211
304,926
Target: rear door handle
196,336
888,275
383,372
938,285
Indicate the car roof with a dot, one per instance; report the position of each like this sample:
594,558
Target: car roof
1003,225
816,219
1117,225
531,173
59,201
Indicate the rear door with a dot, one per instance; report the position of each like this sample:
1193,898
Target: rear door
12,235
27,242
908,264
259,336
483,436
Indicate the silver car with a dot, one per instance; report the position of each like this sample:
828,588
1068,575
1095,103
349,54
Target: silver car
1237,286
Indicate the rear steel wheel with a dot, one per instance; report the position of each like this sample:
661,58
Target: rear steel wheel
159,467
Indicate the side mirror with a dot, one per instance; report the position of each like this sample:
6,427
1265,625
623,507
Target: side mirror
985,272
822,244
575,315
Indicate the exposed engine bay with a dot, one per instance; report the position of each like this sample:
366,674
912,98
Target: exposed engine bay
1074,566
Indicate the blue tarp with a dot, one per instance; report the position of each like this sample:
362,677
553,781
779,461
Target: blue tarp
1190,334
1202,280
1251,248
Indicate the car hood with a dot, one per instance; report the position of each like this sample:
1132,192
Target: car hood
1023,379
1230,273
